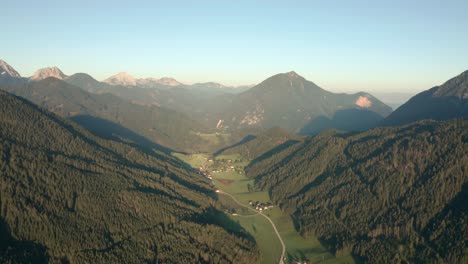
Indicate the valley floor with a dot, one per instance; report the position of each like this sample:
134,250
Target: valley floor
226,172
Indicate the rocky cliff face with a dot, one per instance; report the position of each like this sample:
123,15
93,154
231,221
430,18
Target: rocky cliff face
44,73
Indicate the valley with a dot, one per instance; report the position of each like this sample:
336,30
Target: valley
227,175
191,138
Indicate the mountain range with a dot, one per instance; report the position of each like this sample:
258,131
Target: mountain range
120,79
291,102
285,100
87,174
112,117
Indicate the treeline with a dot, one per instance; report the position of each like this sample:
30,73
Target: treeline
386,195
68,196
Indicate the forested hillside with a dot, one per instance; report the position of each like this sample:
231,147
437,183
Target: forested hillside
110,116
254,146
289,101
385,195
67,196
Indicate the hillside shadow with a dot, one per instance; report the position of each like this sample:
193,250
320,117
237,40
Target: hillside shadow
97,127
18,251
109,130
213,216
274,151
243,141
345,120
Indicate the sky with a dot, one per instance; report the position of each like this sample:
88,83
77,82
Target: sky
385,46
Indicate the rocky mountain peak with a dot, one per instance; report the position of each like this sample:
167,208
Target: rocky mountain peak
7,70
121,78
168,81
293,74
48,72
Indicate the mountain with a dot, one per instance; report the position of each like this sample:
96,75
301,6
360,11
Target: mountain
393,99
447,101
168,81
44,73
254,146
208,85
125,79
112,117
8,74
291,102
6,71
387,195
213,88
68,196
200,105
86,82
153,83
121,78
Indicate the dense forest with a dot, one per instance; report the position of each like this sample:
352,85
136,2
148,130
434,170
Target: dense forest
110,116
253,146
385,195
68,196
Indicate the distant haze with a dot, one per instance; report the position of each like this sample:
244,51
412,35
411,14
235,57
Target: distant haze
402,46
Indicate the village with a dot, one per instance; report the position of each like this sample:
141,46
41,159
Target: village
259,206
219,165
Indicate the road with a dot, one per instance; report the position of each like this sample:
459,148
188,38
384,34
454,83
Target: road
281,261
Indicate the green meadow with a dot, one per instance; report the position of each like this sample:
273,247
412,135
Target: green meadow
297,247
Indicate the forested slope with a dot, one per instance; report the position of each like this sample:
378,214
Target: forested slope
108,115
386,195
254,146
68,196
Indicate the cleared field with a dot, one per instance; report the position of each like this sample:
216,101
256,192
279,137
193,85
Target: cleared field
297,247
214,138
265,237
226,182
194,160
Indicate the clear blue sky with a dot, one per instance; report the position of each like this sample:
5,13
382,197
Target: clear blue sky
340,45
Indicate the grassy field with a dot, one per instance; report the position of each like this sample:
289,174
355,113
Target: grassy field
297,247
214,138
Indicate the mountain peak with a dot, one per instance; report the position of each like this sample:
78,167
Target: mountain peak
121,78
293,74
7,70
457,87
48,72
154,82
169,81
213,85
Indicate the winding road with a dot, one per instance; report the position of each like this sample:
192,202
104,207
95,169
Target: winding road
281,261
